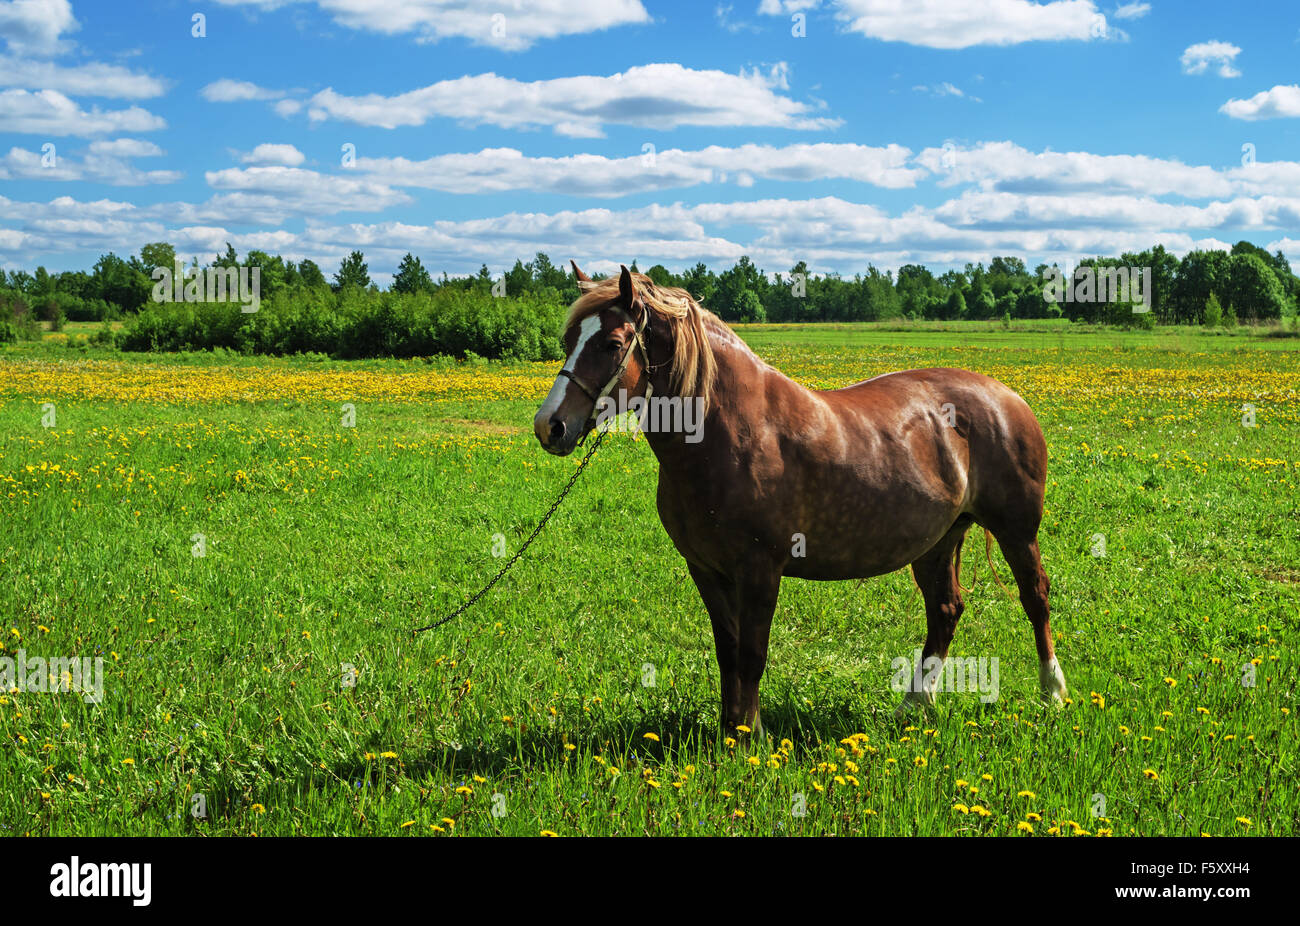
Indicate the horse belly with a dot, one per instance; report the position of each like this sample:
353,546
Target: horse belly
855,543
873,518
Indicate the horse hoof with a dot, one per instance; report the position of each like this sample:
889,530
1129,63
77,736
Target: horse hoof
914,705
1052,682
743,733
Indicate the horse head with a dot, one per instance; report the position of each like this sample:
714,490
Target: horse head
605,343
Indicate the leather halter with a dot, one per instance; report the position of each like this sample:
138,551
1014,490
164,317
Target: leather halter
637,343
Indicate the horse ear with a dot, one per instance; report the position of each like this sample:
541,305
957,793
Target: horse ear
578,274
627,291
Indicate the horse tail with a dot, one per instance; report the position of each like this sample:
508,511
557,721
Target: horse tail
957,570
988,556
974,569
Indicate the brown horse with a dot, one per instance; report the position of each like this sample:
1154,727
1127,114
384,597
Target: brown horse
779,480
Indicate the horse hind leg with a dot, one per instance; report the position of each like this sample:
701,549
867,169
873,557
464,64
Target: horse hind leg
1027,566
936,576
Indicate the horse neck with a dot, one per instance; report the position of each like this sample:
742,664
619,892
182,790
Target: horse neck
739,370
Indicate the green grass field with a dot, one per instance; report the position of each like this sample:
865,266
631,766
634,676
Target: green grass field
323,544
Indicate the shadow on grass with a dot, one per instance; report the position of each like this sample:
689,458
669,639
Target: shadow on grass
682,734
674,735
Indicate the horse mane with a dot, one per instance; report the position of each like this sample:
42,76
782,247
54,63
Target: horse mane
693,369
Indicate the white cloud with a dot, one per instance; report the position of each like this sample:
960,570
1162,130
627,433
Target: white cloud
296,191
227,90
511,27
962,24
777,7
268,155
506,169
658,96
1281,102
1290,248
48,112
1134,10
1196,59
1025,212
1007,167
723,14
102,162
946,89
35,26
91,79
126,148
32,29
829,232
1042,205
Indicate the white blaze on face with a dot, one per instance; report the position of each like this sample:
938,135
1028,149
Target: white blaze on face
586,331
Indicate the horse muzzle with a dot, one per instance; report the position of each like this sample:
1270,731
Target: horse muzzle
559,435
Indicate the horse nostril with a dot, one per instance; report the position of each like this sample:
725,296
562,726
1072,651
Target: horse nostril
557,431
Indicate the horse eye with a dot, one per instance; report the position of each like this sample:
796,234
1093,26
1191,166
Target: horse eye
612,345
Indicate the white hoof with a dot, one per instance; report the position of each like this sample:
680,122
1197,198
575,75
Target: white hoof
1052,681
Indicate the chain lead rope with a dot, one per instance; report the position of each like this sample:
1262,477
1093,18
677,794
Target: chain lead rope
600,435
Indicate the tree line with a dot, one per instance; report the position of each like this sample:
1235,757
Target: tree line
1216,287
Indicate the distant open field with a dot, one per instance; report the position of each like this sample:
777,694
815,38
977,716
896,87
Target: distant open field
322,544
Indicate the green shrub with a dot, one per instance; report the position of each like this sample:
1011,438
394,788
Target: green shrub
19,315
1213,312
104,337
359,323
53,312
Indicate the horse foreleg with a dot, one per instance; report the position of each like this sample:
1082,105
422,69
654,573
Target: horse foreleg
758,596
722,602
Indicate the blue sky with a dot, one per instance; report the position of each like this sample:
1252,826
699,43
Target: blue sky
937,131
